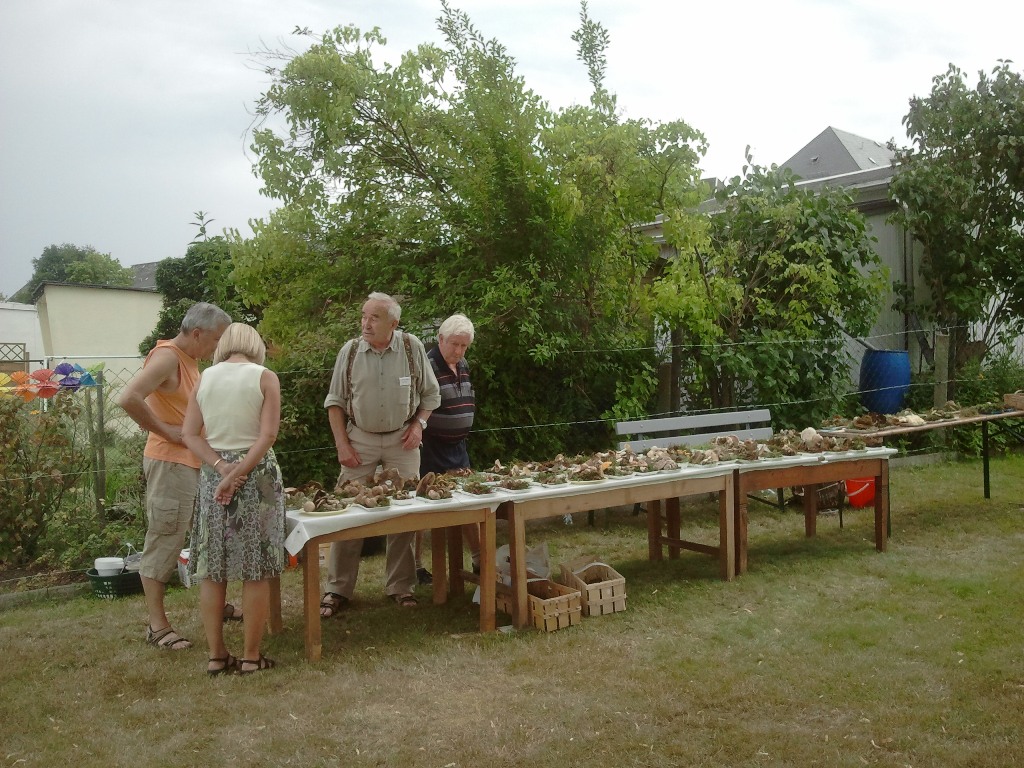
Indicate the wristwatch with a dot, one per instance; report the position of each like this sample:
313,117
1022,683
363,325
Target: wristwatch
423,422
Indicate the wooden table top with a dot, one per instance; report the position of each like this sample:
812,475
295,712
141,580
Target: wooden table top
902,429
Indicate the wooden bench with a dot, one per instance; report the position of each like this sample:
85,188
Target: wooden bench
699,429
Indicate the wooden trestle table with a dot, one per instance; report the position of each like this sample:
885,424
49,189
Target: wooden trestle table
983,419
811,470
308,531
653,488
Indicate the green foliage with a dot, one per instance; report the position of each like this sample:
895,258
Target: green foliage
961,194
304,445
76,532
762,296
444,181
204,274
74,264
977,382
42,456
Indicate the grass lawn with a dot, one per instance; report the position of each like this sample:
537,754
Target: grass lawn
825,653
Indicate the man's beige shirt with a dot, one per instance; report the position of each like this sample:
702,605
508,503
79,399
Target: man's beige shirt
381,382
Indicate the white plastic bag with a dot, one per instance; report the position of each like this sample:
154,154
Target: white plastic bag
537,565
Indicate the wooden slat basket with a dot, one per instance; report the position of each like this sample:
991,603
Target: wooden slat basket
551,605
1014,400
602,588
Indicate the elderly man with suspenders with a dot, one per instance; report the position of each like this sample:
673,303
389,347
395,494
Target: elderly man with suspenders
382,392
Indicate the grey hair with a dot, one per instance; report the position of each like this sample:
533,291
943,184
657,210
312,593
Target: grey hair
394,308
205,317
456,325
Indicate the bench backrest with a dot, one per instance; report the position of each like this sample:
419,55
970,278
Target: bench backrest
695,430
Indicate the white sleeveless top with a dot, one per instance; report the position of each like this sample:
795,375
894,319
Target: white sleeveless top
230,400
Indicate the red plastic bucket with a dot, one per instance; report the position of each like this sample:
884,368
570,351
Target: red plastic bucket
860,492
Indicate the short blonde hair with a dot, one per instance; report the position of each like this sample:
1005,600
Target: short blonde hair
241,339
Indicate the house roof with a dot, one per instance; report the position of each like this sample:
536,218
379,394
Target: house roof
145,275
39,288
834,152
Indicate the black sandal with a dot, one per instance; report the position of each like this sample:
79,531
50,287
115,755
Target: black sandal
167,639
231,613
333,603
228,663
262,663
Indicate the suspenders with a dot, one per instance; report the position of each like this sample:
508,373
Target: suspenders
348,376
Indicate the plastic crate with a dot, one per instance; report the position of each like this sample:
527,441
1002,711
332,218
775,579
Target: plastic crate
109,587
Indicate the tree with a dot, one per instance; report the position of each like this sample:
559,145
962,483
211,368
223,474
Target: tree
960,191
447,182
74,264
204,274
765,293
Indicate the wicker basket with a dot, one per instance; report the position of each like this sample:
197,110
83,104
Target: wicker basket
602,588
109,587
552,606
829,495
1014,400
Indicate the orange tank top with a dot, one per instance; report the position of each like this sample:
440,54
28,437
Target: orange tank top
170,407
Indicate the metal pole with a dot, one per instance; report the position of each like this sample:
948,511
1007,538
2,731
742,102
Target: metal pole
984,457
101,456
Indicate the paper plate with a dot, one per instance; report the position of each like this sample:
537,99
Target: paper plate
329,512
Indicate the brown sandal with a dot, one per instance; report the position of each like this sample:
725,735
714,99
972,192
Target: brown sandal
405,601
167,639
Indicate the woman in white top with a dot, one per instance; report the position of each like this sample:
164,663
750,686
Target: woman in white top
238,529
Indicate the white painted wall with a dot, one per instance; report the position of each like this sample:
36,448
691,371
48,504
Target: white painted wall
19,324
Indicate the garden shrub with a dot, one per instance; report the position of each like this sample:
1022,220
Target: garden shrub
43,455
76,532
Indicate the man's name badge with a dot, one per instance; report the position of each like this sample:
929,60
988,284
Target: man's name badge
404,381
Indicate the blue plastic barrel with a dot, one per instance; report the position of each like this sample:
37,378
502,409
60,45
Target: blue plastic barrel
884,379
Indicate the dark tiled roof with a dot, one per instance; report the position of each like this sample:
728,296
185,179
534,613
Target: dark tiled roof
833,152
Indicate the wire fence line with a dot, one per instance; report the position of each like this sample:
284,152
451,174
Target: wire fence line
110,422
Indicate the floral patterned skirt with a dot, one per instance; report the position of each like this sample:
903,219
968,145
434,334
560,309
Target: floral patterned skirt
243,541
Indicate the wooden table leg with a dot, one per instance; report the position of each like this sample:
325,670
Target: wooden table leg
456,584
488,574
672,526
438,565
654,530
726,533
275,623
740,523
882,507
311,599
517,568
810,510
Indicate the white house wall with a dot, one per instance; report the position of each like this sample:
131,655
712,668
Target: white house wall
19,324
90,325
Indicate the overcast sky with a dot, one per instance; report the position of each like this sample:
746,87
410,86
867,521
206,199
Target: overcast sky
119,119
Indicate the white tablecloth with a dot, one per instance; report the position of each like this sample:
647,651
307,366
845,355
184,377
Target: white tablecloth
302,526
